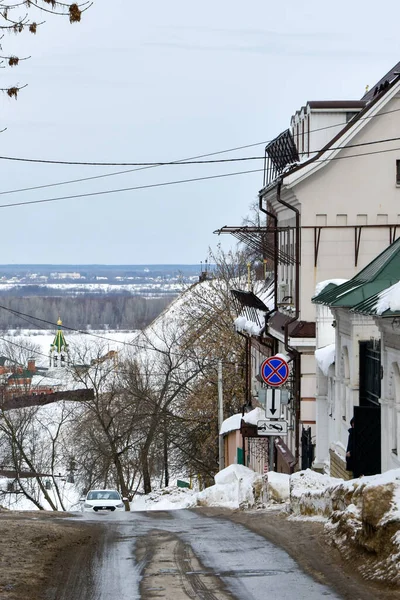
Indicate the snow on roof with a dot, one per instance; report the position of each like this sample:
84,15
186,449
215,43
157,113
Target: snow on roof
233,423
44,380
323,284
389,299
242,324
325,357
264,292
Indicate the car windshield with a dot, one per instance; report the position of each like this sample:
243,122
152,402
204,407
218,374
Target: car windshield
103,495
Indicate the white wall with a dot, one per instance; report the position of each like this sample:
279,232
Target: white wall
338,392
390,393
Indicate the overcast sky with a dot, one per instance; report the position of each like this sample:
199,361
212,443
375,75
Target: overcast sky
161,81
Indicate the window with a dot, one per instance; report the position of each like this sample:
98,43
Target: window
341,219
397,172
321,219
362,219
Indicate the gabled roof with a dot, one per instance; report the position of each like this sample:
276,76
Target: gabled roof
389,78
369,100
381,273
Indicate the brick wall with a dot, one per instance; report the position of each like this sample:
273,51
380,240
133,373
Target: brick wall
338,467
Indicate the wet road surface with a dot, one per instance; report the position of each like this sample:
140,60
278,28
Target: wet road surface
182,555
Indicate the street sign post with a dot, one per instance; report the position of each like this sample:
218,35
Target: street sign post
272,427
274,371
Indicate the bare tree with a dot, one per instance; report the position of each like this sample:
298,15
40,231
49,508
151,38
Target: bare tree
34,451
106,434
33,14
209,314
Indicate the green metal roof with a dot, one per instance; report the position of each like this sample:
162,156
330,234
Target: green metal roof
23,374
370,305
381,273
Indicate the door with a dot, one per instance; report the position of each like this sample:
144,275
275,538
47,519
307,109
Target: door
367,416
367,440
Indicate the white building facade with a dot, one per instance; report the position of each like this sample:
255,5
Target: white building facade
331,195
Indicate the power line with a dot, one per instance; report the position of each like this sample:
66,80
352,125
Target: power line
208,177
130,189
25,317
103,175
177,162
188,161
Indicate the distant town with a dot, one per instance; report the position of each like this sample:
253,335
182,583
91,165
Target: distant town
143,280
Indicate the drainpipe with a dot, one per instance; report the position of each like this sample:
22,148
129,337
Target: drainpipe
247,368
293,351
248,385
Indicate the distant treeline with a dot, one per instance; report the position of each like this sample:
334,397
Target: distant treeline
81,312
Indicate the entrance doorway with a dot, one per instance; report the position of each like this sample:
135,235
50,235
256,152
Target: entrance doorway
367,416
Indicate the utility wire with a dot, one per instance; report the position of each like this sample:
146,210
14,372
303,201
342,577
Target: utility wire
130,189
177,162
103,175
205,178
187,161
135,345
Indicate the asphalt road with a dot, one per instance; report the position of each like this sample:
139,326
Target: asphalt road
182,555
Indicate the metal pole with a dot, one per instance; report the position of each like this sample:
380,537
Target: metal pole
271,453
272,440
220,418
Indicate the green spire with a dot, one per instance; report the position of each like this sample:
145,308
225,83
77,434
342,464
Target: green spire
59,344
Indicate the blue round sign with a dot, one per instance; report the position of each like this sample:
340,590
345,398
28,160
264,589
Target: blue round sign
274,371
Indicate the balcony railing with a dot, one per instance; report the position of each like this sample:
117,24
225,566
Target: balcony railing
279,153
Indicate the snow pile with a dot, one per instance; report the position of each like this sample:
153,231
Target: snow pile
308,493
325,357
169,498
389,299
362,518
323,284
235,487
278,487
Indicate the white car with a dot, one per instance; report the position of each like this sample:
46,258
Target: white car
103,500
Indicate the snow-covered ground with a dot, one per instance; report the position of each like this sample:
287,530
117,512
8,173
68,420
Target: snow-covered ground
107,340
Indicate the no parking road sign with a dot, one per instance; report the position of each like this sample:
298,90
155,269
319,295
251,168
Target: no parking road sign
274,371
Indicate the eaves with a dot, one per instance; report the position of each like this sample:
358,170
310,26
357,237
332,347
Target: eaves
294,342
300,172
344,137
302,342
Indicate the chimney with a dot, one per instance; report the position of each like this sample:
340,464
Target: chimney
31,365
